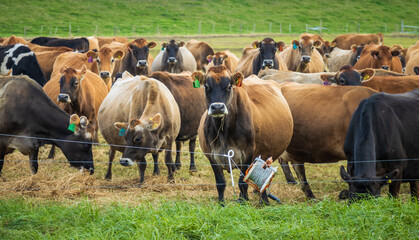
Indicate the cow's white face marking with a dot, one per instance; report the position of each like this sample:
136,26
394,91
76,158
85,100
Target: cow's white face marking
127,160
138,128
3,69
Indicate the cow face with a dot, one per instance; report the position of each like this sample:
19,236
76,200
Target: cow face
172,49
78,148
306,46
382,57
142,135
140,49
360,187
219,84
106,61
70,84
325,49
348,76
267,50
218,58
357,50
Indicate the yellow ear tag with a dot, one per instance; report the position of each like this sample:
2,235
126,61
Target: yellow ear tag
389,181
155,125
254,46
366,77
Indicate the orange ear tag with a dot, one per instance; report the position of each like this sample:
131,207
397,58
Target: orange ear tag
239,82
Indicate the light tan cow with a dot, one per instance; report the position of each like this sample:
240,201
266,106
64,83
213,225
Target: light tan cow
345,41
75,60
412,60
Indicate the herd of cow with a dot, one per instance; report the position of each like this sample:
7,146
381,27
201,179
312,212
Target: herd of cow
277,100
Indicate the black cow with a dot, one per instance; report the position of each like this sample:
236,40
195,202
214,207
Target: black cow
19,59
382,145
78,44
267,54
25,110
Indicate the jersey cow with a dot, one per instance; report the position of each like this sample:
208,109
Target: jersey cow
250,117
35,115
374,56
174,58
200,51
141,113
345,41
297,77
381,145
75,60
261,55
77,44
19,59
340,57
225,58
412,59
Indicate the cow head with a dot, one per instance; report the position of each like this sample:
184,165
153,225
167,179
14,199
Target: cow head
305,46
357,50
348,76
105,59
218,58
142,134
267,50
325,49
382,57
171,55
141,52
78,148
70,83
365,186
219,84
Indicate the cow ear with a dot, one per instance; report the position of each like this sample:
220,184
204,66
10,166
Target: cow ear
63,69
163,45
84,122
134,122
317,43
151,44
333,44
374,54
255,44
91,54
118,55
209,58
367,73
74,123
155,122
225,56
353,47
280,45
237,79
389,176
345,176
295,44
327,79
198,76
121,125
416,70
181,44
395,53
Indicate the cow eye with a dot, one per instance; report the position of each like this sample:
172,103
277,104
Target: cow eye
137,140
97,60
342,81
113,60
207,88
76,82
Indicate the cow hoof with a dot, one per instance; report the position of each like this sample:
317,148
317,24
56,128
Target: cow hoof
156,173
171,180
344,194
263,203
108,177
178,166
241,201
193,169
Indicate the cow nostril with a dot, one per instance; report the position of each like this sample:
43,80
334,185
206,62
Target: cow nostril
385,67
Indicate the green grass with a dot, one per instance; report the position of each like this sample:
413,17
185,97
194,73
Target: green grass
374,219
135,18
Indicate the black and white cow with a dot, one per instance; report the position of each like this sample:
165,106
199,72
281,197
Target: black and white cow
382,145
19,59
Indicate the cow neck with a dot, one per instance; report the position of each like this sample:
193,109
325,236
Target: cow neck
302,67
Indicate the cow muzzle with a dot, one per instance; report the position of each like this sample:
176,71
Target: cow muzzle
305,59
171,60
126,162
327,55
269,63
142,64
104,74
217,110
63,97
385,67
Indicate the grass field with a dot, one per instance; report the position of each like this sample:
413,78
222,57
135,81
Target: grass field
145,17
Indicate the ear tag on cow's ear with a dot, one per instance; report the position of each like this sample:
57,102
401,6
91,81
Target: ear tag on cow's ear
72,127
281,49
239,82
122,132
90,60
209,60
162,48
294,46
366,77
196,83
389,181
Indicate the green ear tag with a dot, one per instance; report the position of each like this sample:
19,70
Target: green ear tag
162,48
72,127
122,132
196,84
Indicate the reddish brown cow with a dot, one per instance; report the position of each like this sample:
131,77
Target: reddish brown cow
200,51
225,58
374,56
345,41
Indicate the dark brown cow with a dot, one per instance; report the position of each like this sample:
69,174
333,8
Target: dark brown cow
345,41
191,106
374,56
225,58
321,116
251,118
301,57
200,51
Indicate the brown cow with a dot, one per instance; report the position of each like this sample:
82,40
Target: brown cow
263,55
46,60
191,106
93,43
325,49
301,57
321,116
107,40
251,118
374,56
200,51
225,58
345,41
12,40
412,60
105,60
402,56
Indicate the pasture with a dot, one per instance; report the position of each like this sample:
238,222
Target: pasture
62,202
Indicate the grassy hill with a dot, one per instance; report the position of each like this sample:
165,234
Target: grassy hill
164,17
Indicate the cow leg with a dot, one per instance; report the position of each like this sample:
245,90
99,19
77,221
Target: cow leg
264,198
414,189
169,162
142,165
287,171
111,157
219,180
156,170
243,186
394,188
301,174
178,147
192,145
2,154
51,152
33,160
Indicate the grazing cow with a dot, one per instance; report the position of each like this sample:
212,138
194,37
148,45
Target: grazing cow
225,58
251,118
340,57
297,77
147,117
301,57
374,56
136,59
174,58
19,59
78,91
263,55
106,40
75,60
321,116
345,41
384,127
191,106
77,44
200,51
412,60
35,115
46,60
